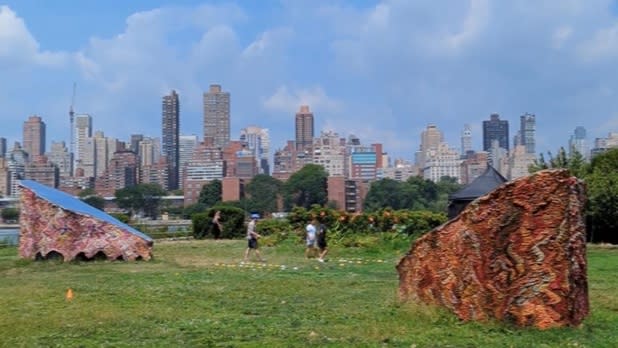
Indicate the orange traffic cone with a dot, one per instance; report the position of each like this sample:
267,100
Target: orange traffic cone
69,295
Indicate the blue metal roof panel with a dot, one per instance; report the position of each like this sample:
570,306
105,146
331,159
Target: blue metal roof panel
68,202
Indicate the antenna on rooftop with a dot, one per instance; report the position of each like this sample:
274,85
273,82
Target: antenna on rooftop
72,118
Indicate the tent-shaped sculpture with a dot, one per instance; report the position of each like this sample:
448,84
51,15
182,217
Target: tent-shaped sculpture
480,186
54,223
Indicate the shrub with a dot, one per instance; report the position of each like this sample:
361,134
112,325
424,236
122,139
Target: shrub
232,219
341,223
121,217
418,223
273,231
10,214
273,226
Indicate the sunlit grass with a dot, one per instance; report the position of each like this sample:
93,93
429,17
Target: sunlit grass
200,293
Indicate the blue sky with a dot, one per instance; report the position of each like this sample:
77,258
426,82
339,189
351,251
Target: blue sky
382,70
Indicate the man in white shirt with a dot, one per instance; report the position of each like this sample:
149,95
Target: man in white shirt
252,238
311,233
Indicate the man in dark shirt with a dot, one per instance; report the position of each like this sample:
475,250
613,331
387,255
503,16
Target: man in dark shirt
321,239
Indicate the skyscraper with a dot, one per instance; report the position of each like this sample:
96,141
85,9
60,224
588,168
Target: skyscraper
186,148
60,156
431,138
217,116
258,141
83,131
304,128
578,143
2,147
495,129
34,137
466,140
135,139
527,130
171,134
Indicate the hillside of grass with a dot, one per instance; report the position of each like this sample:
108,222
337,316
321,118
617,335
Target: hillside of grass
199,293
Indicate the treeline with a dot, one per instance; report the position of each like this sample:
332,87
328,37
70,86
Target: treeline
601,178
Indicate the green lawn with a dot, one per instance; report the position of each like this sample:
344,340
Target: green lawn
198,294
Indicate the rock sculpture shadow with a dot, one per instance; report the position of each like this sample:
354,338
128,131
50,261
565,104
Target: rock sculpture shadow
517,254
55,225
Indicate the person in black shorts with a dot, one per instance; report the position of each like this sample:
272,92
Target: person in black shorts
252,239
217,227
321,239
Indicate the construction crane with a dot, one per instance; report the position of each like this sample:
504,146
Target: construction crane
72,118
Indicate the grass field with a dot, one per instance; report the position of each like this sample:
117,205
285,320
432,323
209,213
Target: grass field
198,294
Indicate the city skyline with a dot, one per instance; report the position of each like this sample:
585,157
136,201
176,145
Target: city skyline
356,69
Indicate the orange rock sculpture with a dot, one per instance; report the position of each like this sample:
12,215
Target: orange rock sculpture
517,254
54,224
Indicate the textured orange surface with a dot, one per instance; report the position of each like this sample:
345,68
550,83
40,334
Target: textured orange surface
46,228
517,254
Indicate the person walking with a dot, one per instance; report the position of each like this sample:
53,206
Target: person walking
310,238
252,239
321,239
217,227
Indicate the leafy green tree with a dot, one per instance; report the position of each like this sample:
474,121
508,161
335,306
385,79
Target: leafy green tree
232,219
263,191
10,214
211,193
90,197
188,211
416,194
419,193
446,186
602,182
142,198
573,161
384,193
538,164
578,164
306,187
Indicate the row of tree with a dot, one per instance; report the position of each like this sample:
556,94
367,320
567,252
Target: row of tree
415,193
601,178
308,187
264,194
305,188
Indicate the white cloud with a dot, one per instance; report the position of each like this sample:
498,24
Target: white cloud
472,25
286,101
268,41
17,45
389,68
603,45
560,36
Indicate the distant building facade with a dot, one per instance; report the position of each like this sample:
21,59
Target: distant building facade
34,137
347,194
170,126
42,171
82,131
466,140
60,156
442,161
473,165
329,152
527,132
186,147
431,138
258,141
217,116
578,142
495,129
519,162
2,147
304,128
